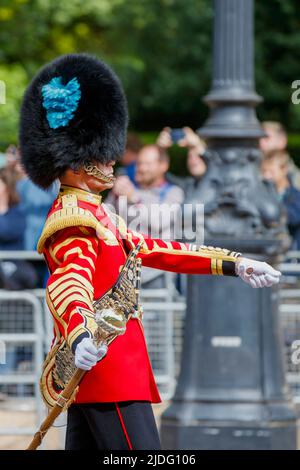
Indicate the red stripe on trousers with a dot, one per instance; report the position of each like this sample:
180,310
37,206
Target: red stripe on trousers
123,427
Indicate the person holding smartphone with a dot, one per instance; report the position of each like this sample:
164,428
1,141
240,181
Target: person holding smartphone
187,138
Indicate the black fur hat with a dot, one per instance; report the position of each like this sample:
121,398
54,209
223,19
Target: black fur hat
73,111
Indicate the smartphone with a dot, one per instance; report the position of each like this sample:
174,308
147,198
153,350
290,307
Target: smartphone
176,135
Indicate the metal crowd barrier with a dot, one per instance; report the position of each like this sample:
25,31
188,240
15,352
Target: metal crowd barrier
289,314
163,321
21,336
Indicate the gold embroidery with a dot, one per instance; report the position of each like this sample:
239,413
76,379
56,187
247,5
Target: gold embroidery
213,266
88,325
78,251
71,240
54,313
80,194
84,230
74,266
78,330
67,277
155,245
72,298
106,235
220,267
58,298
69,200
71,282
64,218
183,246
201,253
88,317
169,245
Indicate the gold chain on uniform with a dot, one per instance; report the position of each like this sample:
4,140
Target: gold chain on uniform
92,170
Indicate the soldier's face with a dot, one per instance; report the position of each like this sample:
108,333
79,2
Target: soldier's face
80,178
96,184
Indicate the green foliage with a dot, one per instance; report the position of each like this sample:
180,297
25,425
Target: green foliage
13,81
165,59
277,60
161,49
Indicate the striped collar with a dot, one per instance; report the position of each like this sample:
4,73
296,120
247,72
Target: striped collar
81,194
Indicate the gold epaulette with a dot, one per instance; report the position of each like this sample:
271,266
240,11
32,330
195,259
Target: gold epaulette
71,215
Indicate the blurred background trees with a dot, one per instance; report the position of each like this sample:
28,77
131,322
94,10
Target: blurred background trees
160,48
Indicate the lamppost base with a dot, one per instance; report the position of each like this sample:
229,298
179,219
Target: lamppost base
231,391
190,426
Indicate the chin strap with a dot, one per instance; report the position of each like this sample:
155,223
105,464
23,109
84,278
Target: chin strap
92,170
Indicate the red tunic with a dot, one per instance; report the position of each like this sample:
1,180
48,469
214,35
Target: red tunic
85,247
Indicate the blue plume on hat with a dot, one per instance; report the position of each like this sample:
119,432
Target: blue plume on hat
60,101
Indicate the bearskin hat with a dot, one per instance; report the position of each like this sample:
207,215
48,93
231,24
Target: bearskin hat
73,112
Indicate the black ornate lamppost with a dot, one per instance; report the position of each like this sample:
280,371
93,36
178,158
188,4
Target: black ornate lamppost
231,391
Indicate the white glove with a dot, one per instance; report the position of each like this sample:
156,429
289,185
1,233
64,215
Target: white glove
87,355
257,273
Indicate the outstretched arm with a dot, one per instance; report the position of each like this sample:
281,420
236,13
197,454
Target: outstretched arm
200,259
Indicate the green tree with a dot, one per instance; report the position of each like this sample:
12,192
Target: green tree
277,59
161,49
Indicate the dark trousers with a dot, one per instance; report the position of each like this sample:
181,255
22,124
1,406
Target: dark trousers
126,425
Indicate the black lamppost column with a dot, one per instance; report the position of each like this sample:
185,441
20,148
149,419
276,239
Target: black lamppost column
231,392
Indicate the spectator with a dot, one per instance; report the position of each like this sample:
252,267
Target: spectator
195,163
12,220
34,202
151,190
276,139
275,167
133,146
17,274
12,157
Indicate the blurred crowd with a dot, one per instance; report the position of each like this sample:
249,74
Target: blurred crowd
143,178
23,210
